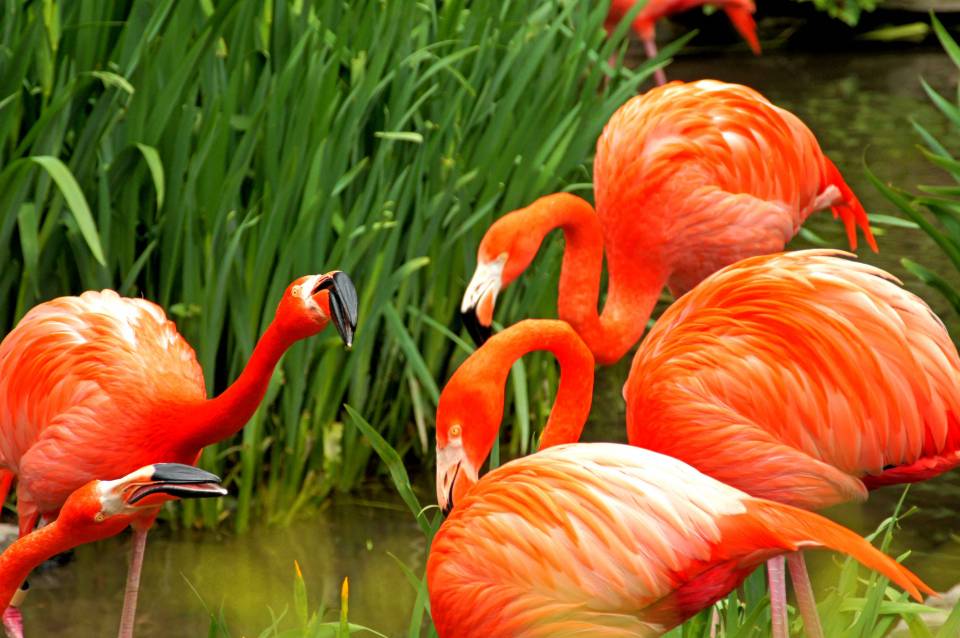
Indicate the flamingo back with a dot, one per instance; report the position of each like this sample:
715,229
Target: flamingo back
609,540
73,373
706,173
794,376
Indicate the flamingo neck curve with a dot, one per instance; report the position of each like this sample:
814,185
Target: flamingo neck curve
632,291
20,558
493,361
224,415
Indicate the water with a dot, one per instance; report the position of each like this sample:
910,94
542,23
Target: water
856,104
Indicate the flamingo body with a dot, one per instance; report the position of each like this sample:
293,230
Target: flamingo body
706,173
688,178
91,386
611,541
801,377
740,13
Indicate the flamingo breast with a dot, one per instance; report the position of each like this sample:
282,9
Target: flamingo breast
85,385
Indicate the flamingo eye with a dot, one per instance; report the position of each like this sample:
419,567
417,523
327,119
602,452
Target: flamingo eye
455,430
100,516
296,291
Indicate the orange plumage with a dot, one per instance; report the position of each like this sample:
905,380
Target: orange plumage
688,178
610,541
801,377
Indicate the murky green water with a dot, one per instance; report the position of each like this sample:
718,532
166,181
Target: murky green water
856,104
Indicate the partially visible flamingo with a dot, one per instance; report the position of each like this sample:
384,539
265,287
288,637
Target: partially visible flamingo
98,510
688,178
589,539
740,13
98,385
803,378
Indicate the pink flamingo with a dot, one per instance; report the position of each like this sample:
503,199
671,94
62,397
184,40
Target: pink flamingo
98,385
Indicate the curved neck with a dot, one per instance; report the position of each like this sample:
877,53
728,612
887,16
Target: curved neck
484,375
19,559
223,416
634,282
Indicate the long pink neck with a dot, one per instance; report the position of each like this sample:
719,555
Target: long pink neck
632,290
492,362
19,559
223,416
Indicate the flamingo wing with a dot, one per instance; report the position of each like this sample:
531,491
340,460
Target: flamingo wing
818,369
73,373
607,540
666,154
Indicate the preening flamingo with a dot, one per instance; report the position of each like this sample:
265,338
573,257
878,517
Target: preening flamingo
98,385
688,178
740,13
803,378
98,510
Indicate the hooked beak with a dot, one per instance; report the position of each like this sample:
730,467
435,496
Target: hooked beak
455,476
480,298
173,480
343,303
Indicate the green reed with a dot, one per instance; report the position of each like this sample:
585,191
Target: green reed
936,210
203,154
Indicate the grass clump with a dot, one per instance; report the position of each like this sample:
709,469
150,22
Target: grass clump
204,154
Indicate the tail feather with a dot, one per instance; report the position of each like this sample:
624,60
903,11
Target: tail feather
742,19
849,208
799,528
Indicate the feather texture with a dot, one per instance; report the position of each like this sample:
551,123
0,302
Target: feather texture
609,540
801,377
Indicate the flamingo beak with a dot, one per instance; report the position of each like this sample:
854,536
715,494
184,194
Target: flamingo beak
480,298
455,476
171,480
343,303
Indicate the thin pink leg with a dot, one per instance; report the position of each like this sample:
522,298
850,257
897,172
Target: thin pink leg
776,574
804,593
650,46
714,622
133,583
13,622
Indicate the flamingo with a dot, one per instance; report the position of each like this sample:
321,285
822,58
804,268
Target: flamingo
688,178
609,540
803,378
740,13
593,539
94,511
98,385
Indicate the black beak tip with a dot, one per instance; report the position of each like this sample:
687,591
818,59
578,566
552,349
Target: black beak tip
478,332
180,473
343,306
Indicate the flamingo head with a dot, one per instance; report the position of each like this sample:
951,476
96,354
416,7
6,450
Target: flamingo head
506,250
468,422
313,301
101,509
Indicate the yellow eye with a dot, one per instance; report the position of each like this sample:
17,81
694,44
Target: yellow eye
455,430
100,516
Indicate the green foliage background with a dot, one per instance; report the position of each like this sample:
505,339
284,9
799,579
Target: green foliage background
203,154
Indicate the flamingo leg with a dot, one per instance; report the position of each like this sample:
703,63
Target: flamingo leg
776,574
650,46
132,590
804,592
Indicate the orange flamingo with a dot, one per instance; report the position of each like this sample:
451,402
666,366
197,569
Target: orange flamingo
98,510
740,13
802,378
97,385
589,539
688,178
